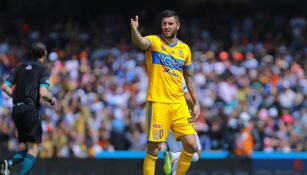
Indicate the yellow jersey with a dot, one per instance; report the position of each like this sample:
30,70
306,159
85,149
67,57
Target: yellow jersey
165,64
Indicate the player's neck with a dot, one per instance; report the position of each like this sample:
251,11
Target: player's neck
170,41
41,60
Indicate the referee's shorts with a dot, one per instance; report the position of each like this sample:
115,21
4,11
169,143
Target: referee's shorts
28,122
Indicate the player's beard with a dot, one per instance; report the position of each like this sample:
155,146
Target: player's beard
171,35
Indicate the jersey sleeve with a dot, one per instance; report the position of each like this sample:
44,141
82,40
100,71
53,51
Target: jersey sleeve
188,61
45,78
151,39
11,78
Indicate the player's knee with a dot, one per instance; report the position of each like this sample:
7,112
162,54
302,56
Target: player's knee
153,148
194,147
191,147
33,149
153,152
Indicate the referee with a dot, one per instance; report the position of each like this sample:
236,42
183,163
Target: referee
31,81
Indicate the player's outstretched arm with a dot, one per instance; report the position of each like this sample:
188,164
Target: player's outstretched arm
45,94
7,89
191,85
142,42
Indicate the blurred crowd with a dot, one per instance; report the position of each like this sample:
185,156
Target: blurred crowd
251,72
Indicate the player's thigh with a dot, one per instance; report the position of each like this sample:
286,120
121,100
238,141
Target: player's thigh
189,142
158,121
182,121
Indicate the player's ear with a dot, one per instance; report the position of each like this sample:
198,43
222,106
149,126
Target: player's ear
178,26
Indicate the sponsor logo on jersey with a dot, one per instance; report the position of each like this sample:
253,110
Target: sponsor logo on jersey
162,47
157,126
167,70
29,67
170,62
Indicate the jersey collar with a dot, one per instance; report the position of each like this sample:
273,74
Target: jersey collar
170,45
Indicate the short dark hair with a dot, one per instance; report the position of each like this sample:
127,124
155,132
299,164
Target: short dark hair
38,49
170,13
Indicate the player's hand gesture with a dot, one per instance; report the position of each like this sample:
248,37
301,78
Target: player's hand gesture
135,23
196,112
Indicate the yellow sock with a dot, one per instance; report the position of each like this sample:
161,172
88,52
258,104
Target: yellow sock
149,165
184,162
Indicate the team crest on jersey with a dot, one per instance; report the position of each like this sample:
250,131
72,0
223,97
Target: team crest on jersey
158,134
181,53
190,120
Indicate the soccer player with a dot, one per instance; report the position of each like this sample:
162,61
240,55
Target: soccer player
31,81
175,147
167,60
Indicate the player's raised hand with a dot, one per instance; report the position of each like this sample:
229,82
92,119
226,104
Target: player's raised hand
196,112
135,23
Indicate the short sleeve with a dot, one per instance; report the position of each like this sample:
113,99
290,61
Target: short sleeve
11,78
151,39
188,61
45,78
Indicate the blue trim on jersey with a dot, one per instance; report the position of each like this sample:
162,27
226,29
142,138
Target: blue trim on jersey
170,45
188,66
167,61
149,113
44,85
8,83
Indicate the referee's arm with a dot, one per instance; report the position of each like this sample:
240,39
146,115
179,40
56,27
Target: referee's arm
45,94
43,87
8,83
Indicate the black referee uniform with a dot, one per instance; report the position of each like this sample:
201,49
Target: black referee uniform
28,78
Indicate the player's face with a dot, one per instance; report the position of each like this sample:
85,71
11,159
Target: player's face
169,26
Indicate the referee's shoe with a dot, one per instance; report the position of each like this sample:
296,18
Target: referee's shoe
4,168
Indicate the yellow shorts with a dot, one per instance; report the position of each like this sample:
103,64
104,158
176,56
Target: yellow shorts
161,117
